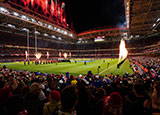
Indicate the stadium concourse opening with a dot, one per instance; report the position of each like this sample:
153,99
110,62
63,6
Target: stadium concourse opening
52,63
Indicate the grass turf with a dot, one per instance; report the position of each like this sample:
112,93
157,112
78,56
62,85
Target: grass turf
75,68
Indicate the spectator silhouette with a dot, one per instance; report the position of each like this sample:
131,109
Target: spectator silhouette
53,105
32,101
69,97
113,104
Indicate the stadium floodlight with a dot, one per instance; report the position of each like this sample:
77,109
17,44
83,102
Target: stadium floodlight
55,28
11,26
71,35
45,34
15,14
137,36
37,32
24,17
59,38
53,36
58,30
40,23
50,27
158,20
154,25
3,10
62,31
25,29
131,36
65,32
33,20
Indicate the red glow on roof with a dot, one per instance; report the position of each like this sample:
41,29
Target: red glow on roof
101,30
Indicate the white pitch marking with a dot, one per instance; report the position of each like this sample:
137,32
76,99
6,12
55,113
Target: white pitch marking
107,68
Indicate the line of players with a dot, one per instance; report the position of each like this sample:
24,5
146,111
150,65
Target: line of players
37,62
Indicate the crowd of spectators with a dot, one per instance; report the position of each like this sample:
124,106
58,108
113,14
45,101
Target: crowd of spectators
16,45
36,93
152,50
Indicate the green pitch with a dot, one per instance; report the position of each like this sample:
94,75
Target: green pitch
75,68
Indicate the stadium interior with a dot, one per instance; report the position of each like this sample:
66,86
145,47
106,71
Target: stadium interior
32,31
142,37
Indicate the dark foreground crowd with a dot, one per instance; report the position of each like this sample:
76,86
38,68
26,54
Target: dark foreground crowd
35,93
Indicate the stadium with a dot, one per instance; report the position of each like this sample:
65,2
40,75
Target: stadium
46,67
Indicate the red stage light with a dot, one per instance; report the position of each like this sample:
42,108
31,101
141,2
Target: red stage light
49,8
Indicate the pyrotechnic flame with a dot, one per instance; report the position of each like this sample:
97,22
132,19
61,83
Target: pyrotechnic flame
70,54
38,55
32,2
63,5
60,54
65,55
47,55
26,54
123,51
